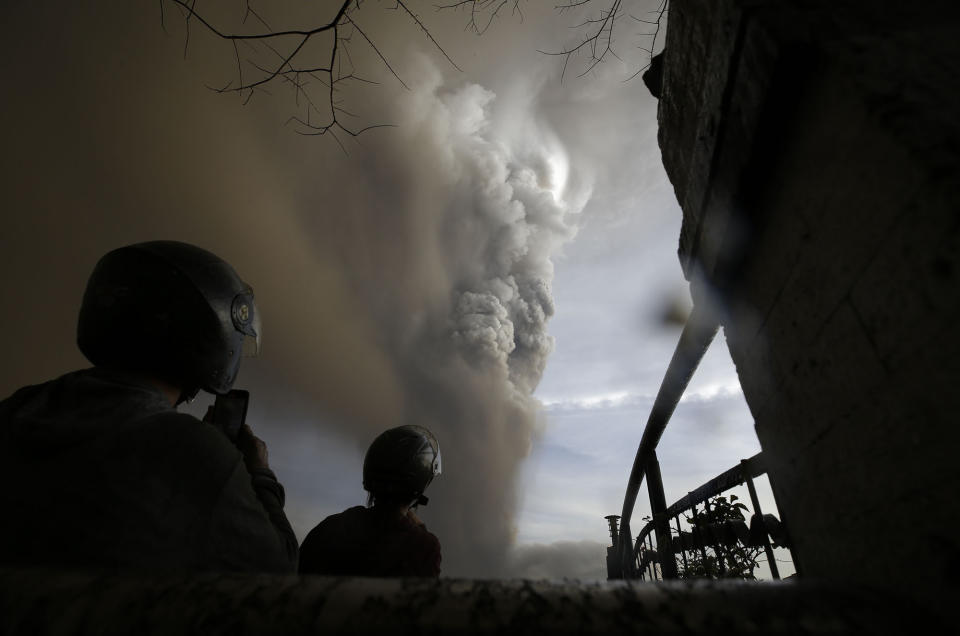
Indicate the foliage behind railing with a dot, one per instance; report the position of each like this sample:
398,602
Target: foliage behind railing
719,542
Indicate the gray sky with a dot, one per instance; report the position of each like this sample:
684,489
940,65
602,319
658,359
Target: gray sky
412,279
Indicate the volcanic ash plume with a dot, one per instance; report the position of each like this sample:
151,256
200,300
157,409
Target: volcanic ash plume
489,209
506,219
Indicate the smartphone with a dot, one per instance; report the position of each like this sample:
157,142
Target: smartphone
230,412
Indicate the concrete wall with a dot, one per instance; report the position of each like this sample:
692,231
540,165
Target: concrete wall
39,602
815,148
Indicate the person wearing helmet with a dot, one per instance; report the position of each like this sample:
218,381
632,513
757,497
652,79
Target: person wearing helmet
386,538
103,472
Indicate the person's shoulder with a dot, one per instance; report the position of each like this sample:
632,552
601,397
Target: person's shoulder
416,528
12,403
349,516
423,551
333,542
29,391
86,403
428,538
336,523
354,512
23,393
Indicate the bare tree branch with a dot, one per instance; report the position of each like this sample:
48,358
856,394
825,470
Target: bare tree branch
290,58
598,29
379,54
292,63
490,8
661,12
427,33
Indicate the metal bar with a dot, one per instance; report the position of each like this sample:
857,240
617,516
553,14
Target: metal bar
641,558
697,335
658,504
683,552
651,563
647,529
774,572
638,547
627,551
726,480
635,553
797,569
641,546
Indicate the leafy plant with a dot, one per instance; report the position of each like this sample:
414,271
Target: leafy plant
737,561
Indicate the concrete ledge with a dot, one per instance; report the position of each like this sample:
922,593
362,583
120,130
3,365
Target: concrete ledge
44,602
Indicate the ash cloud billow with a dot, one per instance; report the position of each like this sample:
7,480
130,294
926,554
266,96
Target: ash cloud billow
583,560
489,211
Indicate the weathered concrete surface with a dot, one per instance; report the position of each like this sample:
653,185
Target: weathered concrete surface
44,603
815,150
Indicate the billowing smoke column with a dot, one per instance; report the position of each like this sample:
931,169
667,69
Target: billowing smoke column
514,220
490,210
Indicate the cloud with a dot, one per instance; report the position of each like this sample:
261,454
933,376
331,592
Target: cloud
578,471
608,400
583,560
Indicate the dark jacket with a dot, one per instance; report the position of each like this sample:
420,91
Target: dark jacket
101,472
363,542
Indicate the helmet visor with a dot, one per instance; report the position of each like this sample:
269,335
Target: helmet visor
251,342
246,320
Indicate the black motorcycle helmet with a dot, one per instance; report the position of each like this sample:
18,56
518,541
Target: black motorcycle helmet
400,464
171,310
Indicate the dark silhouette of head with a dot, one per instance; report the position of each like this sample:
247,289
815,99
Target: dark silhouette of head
400,464
169,311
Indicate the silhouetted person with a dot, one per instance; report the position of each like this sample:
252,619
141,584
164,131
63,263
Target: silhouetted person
385,539
100,469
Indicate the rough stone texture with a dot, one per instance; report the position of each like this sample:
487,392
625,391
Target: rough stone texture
827,216
45,603
695,135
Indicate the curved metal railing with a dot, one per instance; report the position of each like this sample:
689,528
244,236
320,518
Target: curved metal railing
761,530
697,335
626,558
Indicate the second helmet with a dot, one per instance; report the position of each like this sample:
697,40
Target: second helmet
401,462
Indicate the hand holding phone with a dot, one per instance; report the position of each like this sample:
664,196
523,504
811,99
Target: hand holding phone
230,412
